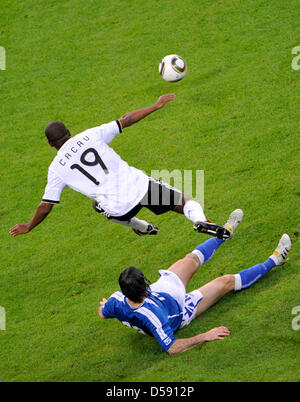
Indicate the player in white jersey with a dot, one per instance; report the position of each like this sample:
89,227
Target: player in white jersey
87,164
164,307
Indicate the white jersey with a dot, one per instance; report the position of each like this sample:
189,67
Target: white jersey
88,165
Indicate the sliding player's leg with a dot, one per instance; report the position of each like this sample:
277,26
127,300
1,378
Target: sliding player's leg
219,287
247,277
213,291
186,268
209,293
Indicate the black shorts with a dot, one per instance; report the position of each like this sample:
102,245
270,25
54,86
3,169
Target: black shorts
159,199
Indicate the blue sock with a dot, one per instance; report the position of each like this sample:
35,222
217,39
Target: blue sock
208,248
248,277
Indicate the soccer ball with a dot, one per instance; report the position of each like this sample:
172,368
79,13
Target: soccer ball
172,68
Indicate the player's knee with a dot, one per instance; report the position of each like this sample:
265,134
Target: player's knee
227,281
192,258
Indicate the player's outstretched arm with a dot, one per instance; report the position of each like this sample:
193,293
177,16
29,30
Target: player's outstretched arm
136,115
183,344
41,213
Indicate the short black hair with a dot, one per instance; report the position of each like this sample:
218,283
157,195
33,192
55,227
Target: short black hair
134,284
55,131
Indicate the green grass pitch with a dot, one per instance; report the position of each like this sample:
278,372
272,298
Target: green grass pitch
236,116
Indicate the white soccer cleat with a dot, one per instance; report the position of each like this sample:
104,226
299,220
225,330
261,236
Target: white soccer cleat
235,218
282,250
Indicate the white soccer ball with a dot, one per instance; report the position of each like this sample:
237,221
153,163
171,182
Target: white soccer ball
172,68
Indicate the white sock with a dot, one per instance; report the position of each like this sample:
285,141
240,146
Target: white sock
193,211
134,223
199,255
237,282
275,259
138,224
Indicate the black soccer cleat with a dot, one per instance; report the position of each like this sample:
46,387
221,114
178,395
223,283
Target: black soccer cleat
151,230
212,229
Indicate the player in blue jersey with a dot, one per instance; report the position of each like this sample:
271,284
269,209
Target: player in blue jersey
164,307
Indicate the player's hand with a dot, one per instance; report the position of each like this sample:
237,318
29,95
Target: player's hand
20,228
217,333
162,100
103,302
100,307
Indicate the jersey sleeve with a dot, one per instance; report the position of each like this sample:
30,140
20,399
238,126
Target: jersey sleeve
108,308
53,188
162,332
107,132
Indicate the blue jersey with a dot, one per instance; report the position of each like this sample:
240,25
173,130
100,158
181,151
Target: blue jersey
160,315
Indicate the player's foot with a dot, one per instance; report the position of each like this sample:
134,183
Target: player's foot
282,250
151,230
212,229
235,218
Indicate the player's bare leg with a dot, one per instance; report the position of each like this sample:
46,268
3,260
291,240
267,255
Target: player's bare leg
213,291
186,268
194,212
